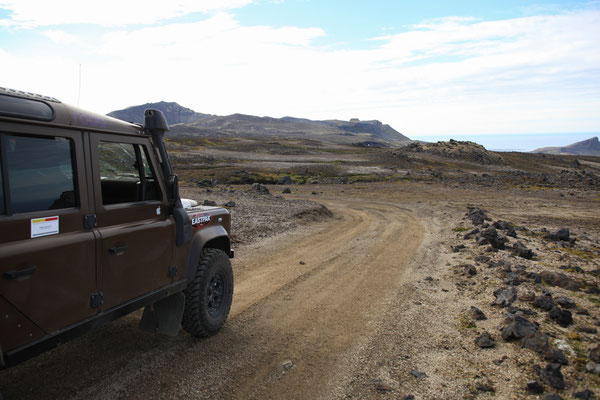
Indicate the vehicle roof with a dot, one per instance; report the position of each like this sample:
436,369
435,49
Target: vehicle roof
62,114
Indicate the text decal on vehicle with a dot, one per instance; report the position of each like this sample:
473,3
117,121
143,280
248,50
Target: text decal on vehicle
44,226
200,220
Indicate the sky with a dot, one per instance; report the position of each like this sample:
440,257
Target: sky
426,68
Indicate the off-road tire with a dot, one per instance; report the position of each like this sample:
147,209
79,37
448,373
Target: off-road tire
208,297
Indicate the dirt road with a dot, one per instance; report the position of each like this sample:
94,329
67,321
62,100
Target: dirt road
304,304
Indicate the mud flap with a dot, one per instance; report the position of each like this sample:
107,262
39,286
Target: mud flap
164,316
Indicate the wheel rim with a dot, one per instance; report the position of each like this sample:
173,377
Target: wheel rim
216,289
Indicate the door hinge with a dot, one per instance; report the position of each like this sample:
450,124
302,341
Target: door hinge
172,271
97,300
89,221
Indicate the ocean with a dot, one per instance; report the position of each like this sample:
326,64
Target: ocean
515,142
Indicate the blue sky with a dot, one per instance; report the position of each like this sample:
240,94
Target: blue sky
426,68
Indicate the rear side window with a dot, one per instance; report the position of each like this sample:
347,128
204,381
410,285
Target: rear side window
125,174
39,173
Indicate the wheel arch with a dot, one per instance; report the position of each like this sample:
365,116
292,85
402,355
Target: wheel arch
215,237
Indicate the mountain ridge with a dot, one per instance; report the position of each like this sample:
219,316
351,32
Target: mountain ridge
588,147
187,122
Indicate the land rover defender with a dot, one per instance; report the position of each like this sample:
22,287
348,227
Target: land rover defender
92,227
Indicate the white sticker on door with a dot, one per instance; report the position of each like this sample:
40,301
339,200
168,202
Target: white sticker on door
44,226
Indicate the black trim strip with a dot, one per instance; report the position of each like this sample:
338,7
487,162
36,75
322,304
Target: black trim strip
4,168
52,340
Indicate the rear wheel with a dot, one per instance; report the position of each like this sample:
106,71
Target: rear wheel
208,297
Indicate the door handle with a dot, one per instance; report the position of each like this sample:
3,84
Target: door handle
119,249
20,274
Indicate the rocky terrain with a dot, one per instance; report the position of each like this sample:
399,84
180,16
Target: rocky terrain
433,271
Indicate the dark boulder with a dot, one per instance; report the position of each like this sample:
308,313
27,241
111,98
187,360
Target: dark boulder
560,280
517,328
561,234
476,215
544,302
520,250
260,188
534,387
556,356
537,342
490,236
485,341
563,317
586,394
552,376
477,314
285,180
565,302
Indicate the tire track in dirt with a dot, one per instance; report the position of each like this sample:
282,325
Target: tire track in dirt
312,314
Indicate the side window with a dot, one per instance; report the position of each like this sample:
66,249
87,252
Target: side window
39,173
125,174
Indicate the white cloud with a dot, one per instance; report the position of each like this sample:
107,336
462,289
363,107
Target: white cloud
32,13
61,37
534,74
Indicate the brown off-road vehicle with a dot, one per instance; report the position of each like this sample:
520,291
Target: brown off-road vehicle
92,228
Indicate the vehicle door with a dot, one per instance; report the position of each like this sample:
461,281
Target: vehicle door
47,256
137,238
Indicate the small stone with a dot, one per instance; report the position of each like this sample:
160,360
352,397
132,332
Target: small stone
209,203
544,302
534,387
537,278
485,341
552,376
482,259
505,297
593,367
260,188
286,191
551,396
470,270
586,394
287,365
383,388
485,387
565,302
302,262
418,374
563,317
409,397
512,279
528,296
457,249
229,204
477,314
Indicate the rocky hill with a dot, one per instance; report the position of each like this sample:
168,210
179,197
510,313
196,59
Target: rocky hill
174,113
590,147
186,122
